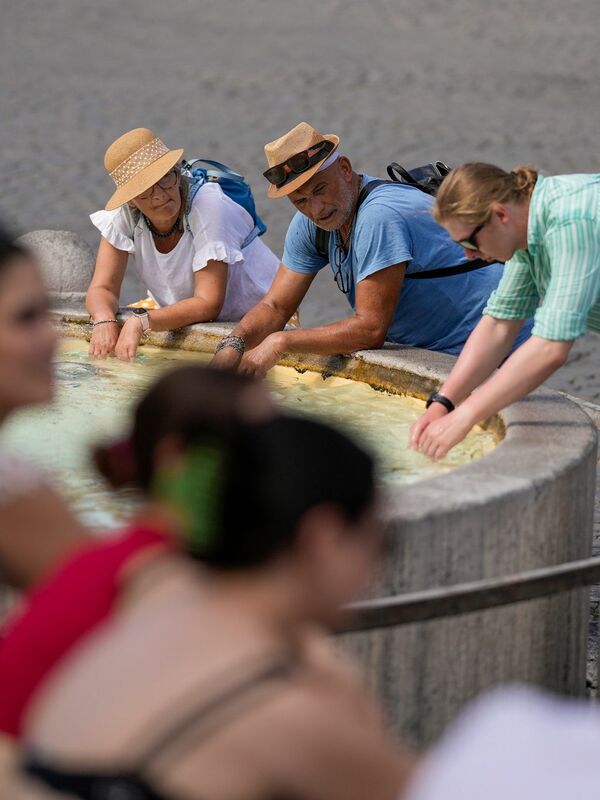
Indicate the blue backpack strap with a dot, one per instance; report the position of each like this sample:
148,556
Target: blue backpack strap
218,169
256,231
200,175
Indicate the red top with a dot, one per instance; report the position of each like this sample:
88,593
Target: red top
58,613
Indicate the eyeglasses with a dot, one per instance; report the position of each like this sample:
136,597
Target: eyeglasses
470,243
341,281
166,182
280,174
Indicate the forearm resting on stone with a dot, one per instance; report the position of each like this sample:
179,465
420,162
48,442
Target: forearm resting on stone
345,336
265,318
185,312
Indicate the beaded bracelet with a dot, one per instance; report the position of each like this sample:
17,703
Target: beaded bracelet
104,322
237,342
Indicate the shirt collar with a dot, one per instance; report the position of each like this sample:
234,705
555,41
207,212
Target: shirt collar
536,228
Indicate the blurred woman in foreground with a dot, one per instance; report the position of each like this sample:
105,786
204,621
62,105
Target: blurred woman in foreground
214,677
36,529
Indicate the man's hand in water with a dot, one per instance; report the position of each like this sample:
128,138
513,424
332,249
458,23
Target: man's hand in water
259,360
227,358
129,339
441,436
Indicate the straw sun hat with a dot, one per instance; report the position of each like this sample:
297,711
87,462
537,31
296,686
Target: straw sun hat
135,162
302,137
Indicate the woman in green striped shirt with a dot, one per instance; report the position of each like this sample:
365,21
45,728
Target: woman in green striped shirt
548,232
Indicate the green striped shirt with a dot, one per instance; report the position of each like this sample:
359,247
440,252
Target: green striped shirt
557,279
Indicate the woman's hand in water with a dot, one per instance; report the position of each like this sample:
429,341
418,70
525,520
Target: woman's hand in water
441,435
129,339
104,339
434,412
258,361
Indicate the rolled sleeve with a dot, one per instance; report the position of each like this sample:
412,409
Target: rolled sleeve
516,296
116,227
573,250
219,226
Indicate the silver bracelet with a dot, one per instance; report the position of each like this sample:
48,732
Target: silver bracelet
237,342
104,322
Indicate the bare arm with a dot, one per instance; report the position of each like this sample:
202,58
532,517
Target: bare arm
485,349
102,299
524,371
210,285
376,300
271,314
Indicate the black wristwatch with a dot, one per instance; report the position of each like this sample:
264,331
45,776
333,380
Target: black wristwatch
436,397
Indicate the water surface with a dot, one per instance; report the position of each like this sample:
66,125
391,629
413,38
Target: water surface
94,401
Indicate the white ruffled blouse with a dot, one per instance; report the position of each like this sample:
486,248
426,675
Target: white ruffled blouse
219,227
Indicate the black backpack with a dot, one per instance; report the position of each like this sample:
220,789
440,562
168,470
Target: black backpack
427,179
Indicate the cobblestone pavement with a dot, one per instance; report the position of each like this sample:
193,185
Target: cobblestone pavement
513,81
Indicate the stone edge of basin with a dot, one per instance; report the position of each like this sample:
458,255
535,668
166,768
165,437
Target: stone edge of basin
541,437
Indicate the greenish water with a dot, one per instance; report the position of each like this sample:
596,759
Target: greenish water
94,399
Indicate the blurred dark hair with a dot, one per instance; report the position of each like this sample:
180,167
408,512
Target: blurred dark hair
9,250
275,472
270,473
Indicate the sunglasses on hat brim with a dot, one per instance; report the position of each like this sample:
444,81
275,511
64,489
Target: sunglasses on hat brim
282,173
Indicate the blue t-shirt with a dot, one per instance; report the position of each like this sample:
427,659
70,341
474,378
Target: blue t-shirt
394,224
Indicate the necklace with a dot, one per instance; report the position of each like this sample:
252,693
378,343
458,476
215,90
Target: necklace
159,234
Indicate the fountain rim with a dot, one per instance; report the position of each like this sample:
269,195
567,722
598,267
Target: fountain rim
539,437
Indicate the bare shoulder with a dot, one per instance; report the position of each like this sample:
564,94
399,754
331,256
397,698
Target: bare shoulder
325,736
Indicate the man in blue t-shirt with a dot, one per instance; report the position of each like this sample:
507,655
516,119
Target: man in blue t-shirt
373,253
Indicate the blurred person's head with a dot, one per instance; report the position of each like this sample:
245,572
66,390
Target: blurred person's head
27,339
485,209
187,402
306,167
257,492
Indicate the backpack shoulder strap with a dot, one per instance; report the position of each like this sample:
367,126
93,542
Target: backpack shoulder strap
322,241
370,187
444,272
448,272
218,169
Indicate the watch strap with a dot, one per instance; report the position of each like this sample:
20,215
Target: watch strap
436,397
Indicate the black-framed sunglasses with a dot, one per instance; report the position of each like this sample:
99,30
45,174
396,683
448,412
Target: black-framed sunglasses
280,174
168,181
341,281
470,242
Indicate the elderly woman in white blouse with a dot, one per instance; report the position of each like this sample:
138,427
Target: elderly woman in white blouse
193,264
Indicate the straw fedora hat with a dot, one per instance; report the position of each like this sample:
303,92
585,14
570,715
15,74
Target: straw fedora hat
135,162
300,138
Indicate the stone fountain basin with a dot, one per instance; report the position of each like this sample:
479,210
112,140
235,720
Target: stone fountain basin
525,505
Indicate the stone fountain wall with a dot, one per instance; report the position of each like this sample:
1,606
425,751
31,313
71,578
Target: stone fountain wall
526,505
